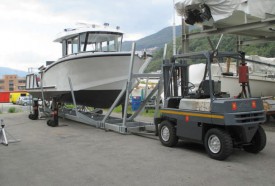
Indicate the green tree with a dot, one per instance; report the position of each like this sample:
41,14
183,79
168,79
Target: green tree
228,43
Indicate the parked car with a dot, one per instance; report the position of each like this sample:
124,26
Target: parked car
26,100
17,102
15,96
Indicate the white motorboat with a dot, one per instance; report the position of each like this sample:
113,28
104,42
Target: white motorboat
261,76
93,60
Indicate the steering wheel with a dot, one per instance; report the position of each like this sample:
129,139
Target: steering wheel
189,86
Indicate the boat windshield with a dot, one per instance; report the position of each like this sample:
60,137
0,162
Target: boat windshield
92,42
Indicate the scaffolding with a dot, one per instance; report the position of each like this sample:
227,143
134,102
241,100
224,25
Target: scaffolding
261,31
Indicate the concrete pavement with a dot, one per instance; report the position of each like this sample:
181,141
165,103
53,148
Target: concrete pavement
78,154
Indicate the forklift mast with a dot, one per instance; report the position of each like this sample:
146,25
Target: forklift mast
176,75
176,78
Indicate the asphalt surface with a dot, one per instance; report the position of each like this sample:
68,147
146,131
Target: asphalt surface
77,154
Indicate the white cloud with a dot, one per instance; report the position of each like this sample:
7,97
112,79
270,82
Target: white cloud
28,27
161,2
132,37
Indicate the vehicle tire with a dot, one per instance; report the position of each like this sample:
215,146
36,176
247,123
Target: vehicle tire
33,117
167,134
267,118
52,123
49,122
218,143
258,142
24,104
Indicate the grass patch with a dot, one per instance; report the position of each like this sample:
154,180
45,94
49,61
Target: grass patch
150,113
12,110
69,106
118,109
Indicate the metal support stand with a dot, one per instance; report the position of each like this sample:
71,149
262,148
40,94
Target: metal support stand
34,115
54,121
129,85
245,82
128,124
77,115
3,136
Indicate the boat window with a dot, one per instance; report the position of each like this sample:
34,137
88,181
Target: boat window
69,46
75,45
92,43
91,46
112,46
104,42
82,42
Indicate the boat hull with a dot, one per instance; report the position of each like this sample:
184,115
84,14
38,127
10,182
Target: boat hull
259,86
96,79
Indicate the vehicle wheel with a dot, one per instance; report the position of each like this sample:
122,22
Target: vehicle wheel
258,142
32,117
218,144
267,118
52,123
49,122
167,134
25,104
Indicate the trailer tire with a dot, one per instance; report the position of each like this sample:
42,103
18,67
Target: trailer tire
218,144
33,117
258,142
52,123
167,134
267,119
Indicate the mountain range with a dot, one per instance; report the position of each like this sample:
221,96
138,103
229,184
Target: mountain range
156,40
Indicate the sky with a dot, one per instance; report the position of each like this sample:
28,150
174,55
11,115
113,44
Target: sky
29,27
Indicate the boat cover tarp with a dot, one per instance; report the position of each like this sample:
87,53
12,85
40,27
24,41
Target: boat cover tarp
264,69
221,9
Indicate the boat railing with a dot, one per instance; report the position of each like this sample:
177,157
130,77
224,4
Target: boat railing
32,81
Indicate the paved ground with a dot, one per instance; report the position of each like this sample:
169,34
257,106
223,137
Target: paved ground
78,154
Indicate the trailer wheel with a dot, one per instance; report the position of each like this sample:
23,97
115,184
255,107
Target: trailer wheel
218,144
167,134
258,142
51,123
267,118
33,117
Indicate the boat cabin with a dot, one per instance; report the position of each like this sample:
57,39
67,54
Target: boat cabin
88,39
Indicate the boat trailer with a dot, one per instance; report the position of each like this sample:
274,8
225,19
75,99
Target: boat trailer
124,125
